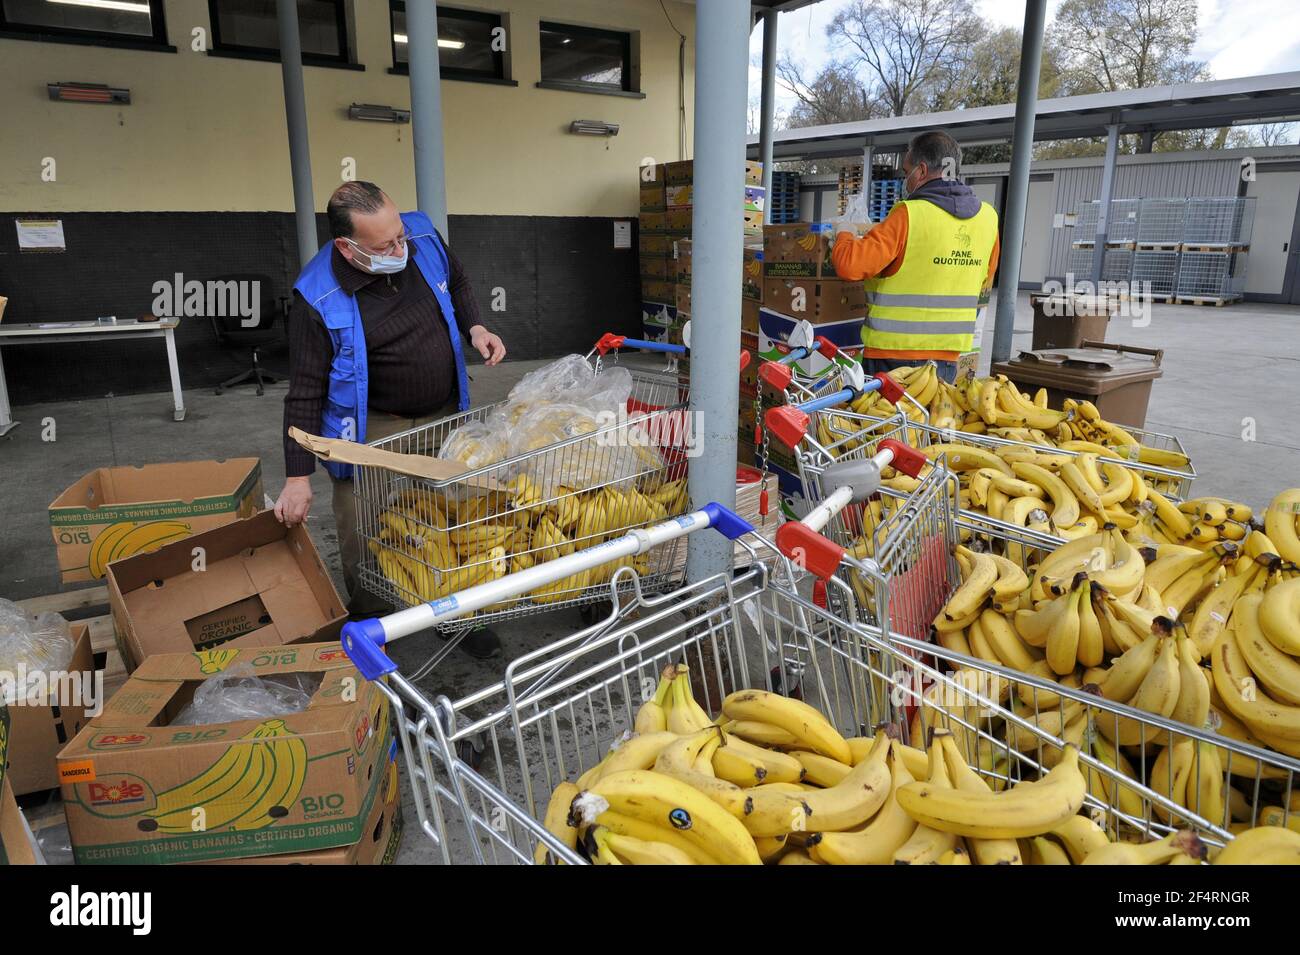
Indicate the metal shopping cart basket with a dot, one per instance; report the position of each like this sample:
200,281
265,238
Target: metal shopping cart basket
910,536
559,708
424,539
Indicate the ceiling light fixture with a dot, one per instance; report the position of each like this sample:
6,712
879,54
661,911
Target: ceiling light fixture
443,43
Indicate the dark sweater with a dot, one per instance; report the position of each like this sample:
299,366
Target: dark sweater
409,356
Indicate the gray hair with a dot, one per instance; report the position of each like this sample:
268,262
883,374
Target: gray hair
355,196
937,150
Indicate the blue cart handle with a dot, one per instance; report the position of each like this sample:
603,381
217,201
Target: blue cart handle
609,341
363,640
839,397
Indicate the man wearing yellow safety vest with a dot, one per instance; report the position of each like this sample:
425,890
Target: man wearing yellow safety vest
928,266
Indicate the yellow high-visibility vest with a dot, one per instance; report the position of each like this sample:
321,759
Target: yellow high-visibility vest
931,302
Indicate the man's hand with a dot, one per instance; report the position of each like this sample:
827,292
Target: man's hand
295,501
486,344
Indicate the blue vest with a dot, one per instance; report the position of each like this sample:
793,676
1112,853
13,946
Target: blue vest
345,405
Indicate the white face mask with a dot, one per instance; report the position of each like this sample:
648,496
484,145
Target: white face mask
377,264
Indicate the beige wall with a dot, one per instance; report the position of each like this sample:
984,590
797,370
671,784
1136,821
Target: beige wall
208,133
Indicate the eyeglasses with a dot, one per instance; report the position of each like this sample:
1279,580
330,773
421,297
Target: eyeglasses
391,249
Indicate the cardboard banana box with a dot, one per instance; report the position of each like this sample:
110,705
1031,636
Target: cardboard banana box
113,513
139,790
381,836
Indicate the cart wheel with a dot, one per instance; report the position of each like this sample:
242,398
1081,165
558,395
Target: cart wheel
472,751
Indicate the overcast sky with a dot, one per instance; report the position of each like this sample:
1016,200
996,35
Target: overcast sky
1238,37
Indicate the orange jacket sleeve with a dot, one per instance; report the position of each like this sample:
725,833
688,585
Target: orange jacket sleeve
879,252
994,256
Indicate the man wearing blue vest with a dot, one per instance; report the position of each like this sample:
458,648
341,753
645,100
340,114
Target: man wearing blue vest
375,349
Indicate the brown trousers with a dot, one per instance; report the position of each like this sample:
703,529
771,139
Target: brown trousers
379,425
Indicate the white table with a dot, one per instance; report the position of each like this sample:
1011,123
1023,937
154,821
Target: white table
48,333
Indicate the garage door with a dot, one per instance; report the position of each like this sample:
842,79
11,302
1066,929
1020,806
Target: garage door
1270,244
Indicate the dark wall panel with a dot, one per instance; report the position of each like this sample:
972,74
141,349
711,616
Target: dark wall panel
564,284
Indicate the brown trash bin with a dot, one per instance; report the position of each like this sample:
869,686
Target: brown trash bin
1115,378
1064,320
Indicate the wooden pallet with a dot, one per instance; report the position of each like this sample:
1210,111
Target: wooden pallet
1216,300
1159,246
79,606
1224,248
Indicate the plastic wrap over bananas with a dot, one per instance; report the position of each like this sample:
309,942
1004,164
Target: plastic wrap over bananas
31,644
565,399
238,694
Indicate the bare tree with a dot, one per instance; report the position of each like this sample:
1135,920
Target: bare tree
903,44
1272,134
1110,45
834,95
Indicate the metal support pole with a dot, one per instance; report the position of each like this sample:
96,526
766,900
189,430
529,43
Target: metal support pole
295,111
1022,152
767,108
1103,206
426,110
717,251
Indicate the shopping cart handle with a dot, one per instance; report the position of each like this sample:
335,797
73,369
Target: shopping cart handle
776,374
905,458
808,549
609,341
890,389
788,423
364,640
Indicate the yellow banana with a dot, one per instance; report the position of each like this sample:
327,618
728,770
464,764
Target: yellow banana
794,716
556,822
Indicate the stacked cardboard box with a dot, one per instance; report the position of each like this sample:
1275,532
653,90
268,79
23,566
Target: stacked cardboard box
250,598
667,200
52,712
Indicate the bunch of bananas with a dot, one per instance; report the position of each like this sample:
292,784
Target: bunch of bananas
432,544
995,406
1205,635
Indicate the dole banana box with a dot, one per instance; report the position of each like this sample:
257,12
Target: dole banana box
255,582
112,513
381,836
137,789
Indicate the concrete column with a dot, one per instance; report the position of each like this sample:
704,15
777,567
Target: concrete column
767,108
721,93
1022,152
295,111
1103,204
426,110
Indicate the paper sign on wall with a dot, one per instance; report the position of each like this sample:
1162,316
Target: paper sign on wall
623,235
40,235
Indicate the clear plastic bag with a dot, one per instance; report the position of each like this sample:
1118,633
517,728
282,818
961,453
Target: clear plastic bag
857,214
475,444
41,643
237,694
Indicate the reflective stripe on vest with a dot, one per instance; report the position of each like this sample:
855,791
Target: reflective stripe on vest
931,302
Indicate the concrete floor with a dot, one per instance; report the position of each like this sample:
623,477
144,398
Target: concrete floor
1230,373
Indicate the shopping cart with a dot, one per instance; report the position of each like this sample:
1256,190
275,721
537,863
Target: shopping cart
559,708
423,539
912,535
